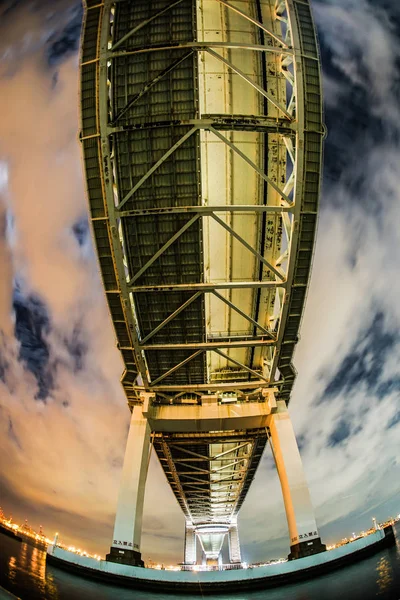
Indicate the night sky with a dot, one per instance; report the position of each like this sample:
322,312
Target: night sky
63,415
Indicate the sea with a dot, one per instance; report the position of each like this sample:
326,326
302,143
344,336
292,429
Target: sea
24,572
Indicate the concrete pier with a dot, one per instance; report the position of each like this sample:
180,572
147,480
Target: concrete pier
222,581
303,531
125,547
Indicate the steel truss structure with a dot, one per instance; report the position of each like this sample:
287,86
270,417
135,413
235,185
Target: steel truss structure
205,276
210,475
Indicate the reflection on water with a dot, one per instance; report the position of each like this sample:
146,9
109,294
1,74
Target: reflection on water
30,565
385,577
12,571
24,572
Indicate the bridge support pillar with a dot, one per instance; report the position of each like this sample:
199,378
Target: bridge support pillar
125,547
190,544
234,544
303,532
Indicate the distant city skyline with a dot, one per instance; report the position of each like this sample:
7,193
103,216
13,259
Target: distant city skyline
75,547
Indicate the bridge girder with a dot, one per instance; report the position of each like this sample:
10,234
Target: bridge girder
201,131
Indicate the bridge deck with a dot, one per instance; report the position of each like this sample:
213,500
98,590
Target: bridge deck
202,135
210,474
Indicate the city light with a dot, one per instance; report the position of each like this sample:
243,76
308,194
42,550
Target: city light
27,533
375,527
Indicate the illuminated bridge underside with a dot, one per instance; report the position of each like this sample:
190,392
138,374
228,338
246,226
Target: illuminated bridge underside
202,134
210,475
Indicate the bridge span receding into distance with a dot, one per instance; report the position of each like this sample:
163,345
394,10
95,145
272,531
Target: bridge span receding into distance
202,133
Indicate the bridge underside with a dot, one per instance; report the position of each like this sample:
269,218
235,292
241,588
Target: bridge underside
202,138
210,473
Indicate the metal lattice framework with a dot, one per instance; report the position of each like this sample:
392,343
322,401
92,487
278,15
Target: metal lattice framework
204,211
210,475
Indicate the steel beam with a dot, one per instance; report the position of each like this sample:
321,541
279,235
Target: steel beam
163,248
255,22
254,166
143,24
246,245
207,287
245,123
237,480
257,123
208,458
259,89
212,386
231,464
156,166
199,46
231,208
206,345
180,365
239,364
171,317
175,478
105,166
238,447
193,468
149,85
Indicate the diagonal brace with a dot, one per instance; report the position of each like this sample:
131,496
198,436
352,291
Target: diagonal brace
246,245
216,481
259,89
192,468
163,249
231,464
255,22
171,317
242,314
143,24
218,456
253,165
151,84
176,367
183,449
156,165
190,476
239,364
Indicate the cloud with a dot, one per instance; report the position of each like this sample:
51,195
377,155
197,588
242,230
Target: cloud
64,43
360,37
365,362
348,387
345,405
63,415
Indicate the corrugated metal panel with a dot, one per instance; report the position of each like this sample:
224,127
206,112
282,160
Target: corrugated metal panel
175,183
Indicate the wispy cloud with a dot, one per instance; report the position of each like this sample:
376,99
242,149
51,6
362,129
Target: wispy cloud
346,401
63,415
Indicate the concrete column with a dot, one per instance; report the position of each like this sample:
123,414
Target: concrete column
125,546
303,532
234,544
190,544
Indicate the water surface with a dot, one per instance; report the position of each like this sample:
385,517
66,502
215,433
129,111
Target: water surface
24,572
